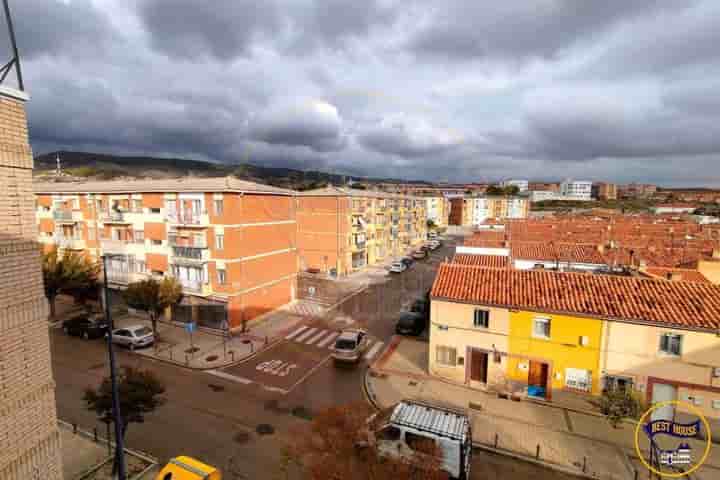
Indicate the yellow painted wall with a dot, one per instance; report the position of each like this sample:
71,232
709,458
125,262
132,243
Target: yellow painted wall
563,347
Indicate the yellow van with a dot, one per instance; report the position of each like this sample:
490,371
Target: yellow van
186,468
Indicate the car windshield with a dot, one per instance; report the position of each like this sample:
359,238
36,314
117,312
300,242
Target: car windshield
407,321
142,331
345,344
397,264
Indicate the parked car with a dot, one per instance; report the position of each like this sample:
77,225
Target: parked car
398,267
86,326
410,323
434,244
421,306
133,337
407,261
419,254
350,345
399,432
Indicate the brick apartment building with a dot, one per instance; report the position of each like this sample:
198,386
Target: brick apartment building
29,436
636,190
604,191
341,230
230,243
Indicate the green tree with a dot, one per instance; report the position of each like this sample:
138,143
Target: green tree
619,404
431,224
153,297
140,392
70,273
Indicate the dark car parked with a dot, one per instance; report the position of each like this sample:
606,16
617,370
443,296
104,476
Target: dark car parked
420,306
407,261
86,326
410,323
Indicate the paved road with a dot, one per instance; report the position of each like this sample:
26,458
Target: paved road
214,417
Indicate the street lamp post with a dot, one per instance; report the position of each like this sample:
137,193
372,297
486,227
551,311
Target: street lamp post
119,447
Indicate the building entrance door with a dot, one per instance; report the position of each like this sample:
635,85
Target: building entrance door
662,392
537,379
479,367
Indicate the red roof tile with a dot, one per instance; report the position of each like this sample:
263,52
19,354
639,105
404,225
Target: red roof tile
686,274
682,304
494,261
563,252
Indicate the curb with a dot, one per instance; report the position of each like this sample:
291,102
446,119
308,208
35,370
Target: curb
523,458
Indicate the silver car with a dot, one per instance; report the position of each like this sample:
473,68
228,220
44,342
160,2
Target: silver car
133,337
350,345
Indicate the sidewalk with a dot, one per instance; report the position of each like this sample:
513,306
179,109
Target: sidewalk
86,458
567,439
209,349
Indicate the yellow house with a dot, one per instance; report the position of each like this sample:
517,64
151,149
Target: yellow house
533,333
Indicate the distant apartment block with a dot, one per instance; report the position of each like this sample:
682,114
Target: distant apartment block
29,433
437,209
636,190
549,186
543,334
230,243
576,190
342,230
542,195
474,211
604,191
521,184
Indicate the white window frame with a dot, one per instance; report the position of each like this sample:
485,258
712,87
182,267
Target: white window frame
445,356
547,322
484,317
139,236
221,276
219,241
669,351
218,211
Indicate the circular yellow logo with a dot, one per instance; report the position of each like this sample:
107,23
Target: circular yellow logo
680,455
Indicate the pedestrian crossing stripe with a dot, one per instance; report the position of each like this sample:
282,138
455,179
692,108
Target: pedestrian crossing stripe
296,332
329,339
316,337
305,335
374,350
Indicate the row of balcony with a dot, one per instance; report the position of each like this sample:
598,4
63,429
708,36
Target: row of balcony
124,277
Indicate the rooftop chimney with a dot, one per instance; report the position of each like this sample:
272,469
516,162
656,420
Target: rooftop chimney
642,266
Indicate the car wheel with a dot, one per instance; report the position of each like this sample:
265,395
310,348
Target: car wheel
66,330
86,336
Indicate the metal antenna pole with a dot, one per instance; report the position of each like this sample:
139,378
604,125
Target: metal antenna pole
11,31
119,447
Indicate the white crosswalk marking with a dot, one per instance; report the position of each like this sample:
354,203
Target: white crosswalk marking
296,332
306,335
316,337
329,339
374,350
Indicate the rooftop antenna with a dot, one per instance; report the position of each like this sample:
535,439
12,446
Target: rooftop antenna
15,60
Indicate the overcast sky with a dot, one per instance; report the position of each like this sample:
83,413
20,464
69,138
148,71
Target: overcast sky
458,90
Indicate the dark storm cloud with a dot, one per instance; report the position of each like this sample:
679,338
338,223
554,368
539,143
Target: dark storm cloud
311,123
518,30
621,90
51,27
223,29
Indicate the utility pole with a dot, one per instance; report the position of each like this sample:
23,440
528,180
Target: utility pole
119,447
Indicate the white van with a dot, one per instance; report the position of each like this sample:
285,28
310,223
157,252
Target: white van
413,422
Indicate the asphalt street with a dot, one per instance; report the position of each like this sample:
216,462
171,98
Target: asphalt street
215,417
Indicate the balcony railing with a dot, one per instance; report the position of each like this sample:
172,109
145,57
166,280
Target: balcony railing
114,246
71,243
190,253
63,216
191,286
113,216
185,218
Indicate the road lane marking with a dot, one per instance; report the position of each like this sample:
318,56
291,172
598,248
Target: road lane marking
232,378
296,332
316,337
373,351
306,335
332,336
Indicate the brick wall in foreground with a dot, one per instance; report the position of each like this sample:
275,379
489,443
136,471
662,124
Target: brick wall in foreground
29,437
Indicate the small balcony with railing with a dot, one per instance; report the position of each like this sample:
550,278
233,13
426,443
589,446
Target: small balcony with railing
188,250
114,246
114,216
191,218
70,243
64,216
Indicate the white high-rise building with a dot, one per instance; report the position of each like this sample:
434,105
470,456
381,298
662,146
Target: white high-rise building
576,189
521,184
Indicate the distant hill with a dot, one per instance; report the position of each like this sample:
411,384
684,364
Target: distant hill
103,166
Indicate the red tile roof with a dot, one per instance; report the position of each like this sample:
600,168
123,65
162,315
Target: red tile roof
563,252
682,304
686,274
494,261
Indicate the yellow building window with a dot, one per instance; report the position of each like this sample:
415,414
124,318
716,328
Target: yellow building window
541,327
445,355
